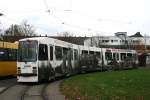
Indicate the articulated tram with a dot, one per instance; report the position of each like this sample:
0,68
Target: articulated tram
8,57
44,58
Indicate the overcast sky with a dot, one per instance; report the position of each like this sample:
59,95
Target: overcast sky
83,17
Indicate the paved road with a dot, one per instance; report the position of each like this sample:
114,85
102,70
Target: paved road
29,91
6,83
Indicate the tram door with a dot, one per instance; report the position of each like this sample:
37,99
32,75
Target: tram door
70,60
75,61
115,56
51,55
43,62
52,62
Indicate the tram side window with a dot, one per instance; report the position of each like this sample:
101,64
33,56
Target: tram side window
123,56
3,54
84,52
114,56
12,54
65,51
43,52
51,52
129,55
58,53
108,55
91,52
98,54
7,54
117,56
71,54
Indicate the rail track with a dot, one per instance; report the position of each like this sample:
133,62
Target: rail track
1,92
30,91
34,92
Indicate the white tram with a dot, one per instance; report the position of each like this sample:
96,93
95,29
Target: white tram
43,58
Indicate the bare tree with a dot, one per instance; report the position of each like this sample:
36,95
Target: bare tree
1,29
27,29
20,30
97,41
13,30
66,34
140,47
1,32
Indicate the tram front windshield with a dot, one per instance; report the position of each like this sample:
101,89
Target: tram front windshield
27,51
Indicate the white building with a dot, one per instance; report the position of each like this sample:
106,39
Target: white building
120,40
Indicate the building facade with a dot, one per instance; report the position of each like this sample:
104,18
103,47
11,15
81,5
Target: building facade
121,41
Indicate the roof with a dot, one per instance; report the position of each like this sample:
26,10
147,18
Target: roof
8,45
74,40
136,35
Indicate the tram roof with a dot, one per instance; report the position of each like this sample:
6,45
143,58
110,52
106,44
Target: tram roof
48,39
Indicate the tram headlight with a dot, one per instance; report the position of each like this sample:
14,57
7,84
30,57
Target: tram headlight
18,67
18,71
34,70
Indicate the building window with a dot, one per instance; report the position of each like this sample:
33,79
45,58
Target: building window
91,52
98,55
115,40
108,55
123,56
106,41
84,52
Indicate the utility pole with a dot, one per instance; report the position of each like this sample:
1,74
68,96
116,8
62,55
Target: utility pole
100,38
13,33
145,43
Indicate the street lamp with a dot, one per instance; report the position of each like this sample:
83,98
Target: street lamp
1,35
1,14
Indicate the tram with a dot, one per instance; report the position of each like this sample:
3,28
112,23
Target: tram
44,58
8,59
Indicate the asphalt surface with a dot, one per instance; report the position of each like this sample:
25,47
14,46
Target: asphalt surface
11,90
